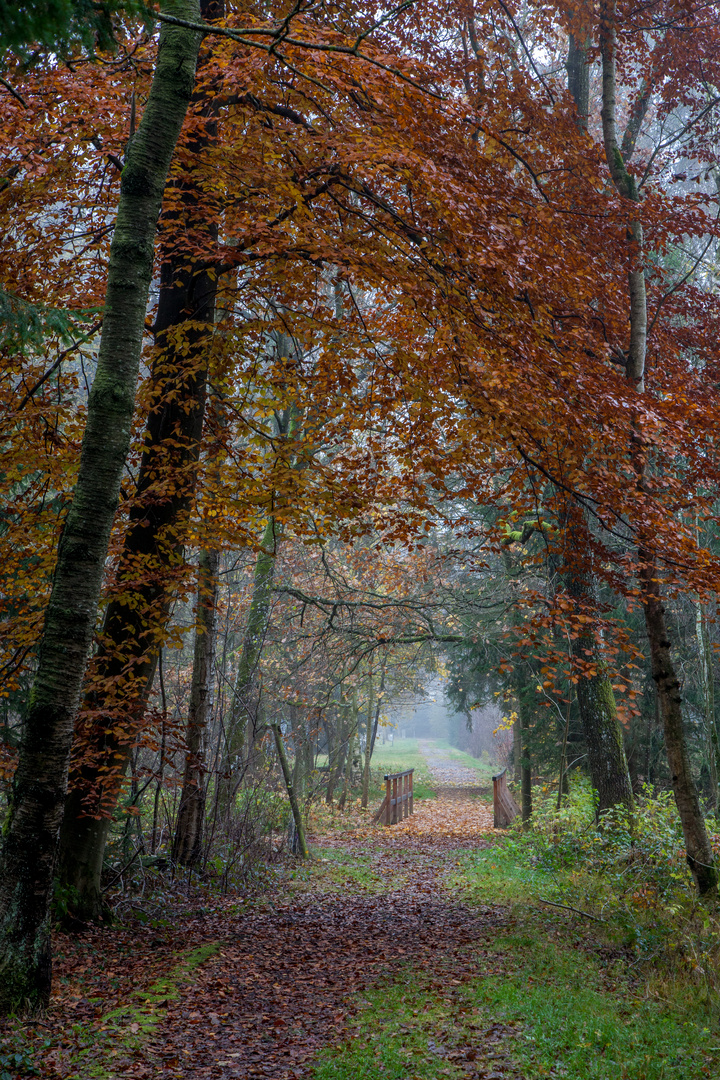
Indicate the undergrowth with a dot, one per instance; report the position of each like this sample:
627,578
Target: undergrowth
629,876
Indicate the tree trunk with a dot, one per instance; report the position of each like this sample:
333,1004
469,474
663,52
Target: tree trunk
294,804
607,762
609,773
336,755
708,689
40,783
699,853
523,726
147,569
526,779
697,844
578,69
563,786
243,719
187,844
350,735
371,735
299,777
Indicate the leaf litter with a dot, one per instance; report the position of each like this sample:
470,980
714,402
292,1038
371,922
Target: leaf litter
279,981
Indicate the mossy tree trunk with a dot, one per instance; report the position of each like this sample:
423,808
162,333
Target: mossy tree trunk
607,761
152,551
708,690
28,857
698,850
523,722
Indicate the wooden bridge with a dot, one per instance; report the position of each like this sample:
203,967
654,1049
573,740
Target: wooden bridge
398,801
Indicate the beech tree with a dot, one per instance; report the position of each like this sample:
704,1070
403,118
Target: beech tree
513,342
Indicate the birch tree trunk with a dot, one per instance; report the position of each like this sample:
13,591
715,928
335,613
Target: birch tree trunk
30,837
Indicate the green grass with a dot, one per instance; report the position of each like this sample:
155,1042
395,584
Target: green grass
390,1038
405,754
502,875
337,871
565,991
559,1017
581,1012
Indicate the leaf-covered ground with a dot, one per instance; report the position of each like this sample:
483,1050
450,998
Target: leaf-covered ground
376,962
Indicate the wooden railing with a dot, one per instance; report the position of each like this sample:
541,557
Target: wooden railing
398,801
505,809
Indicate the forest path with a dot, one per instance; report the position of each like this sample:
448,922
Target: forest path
291,976
284,979
452,780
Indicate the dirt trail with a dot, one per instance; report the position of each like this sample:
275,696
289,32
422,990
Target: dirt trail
289,978
290,974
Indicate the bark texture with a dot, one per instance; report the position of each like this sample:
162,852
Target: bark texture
187,844
132,632
242,723
243,712
27,861
578,69
292,796
607,762
146,580
371,733
708,688
699,853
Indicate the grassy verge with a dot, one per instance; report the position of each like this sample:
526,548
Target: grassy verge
533,1005
338,871
552,993
405,754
